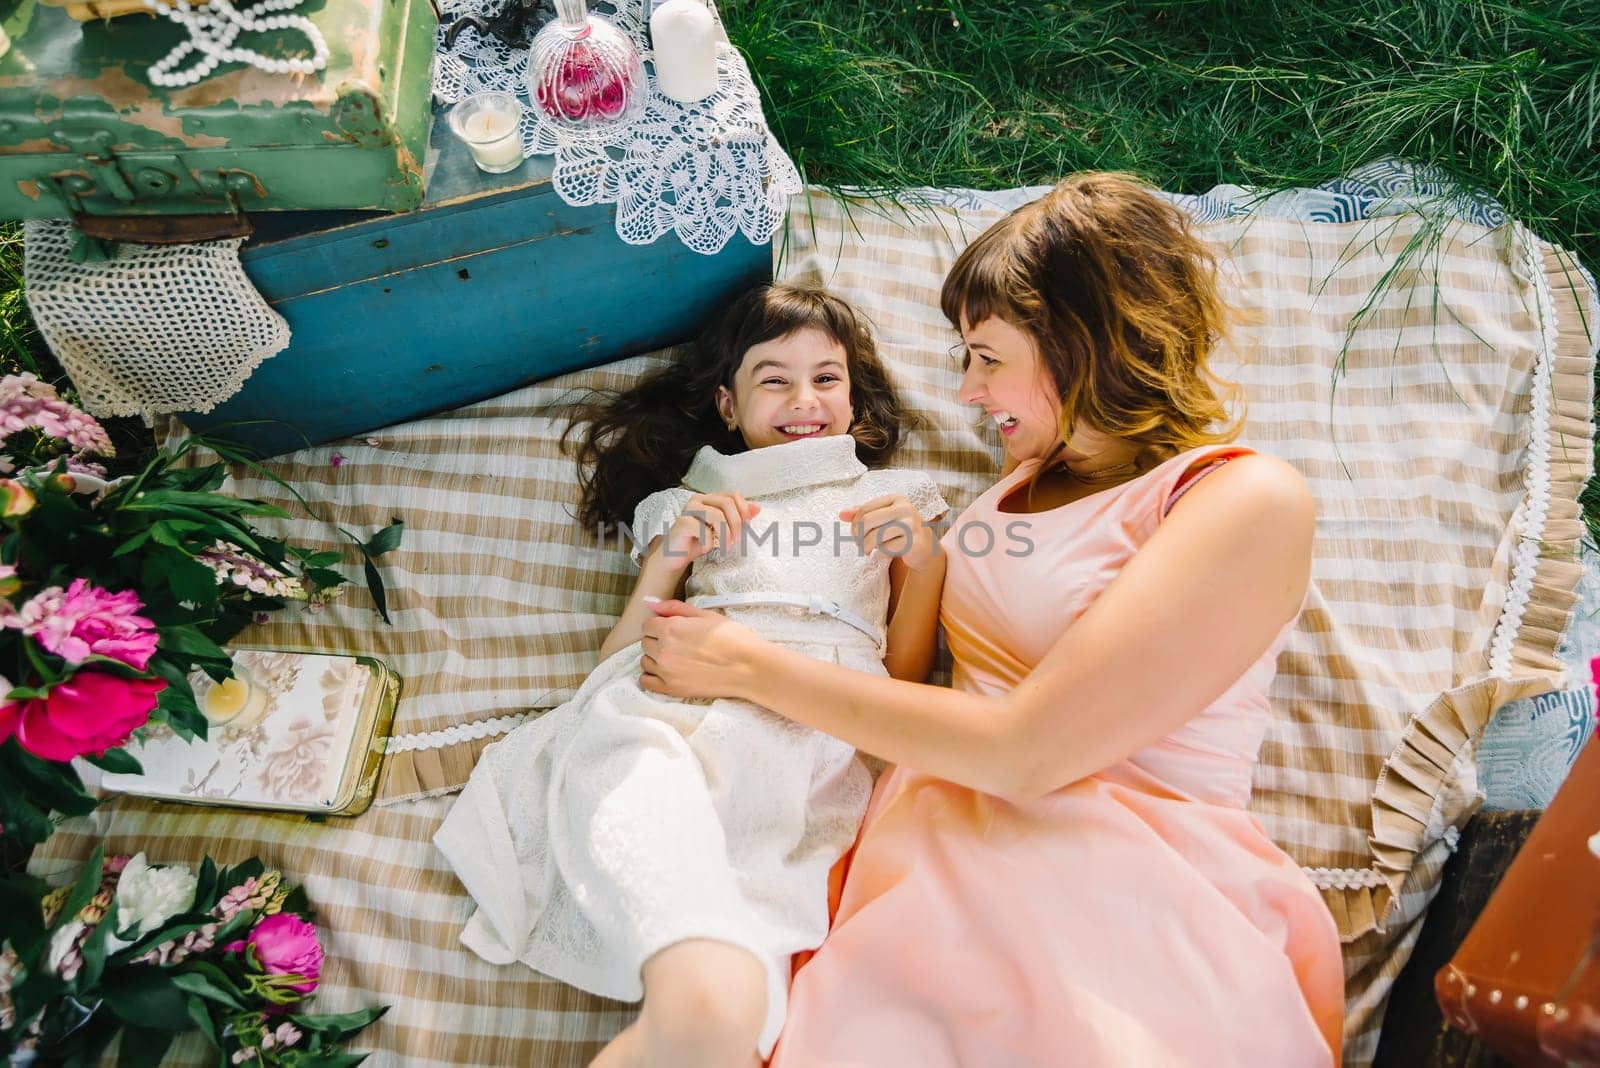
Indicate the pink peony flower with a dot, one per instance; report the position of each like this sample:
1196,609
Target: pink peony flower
285,945
86,619
89,713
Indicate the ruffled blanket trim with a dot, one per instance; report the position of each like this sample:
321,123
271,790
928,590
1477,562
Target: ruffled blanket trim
1427,787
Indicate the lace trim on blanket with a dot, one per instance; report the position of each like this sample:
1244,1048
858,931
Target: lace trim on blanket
461,732
1537,507
1345,878
1426,788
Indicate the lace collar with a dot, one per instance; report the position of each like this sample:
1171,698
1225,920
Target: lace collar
776,468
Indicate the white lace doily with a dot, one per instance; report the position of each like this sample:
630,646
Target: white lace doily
707,170
172,328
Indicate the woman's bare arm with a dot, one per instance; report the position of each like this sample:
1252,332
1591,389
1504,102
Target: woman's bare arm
1196,606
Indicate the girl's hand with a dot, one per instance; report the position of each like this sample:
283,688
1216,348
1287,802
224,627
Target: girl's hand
893,525
708,521
691,652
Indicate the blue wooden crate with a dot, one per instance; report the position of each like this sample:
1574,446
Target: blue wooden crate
493,283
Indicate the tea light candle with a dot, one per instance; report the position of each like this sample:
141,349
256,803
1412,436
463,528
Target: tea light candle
684,37
490,124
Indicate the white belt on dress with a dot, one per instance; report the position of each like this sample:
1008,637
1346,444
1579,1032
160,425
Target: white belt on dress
818,606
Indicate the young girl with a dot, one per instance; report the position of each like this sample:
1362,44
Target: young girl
635,845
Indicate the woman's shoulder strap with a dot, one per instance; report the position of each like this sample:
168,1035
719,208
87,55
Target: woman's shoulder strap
1200,462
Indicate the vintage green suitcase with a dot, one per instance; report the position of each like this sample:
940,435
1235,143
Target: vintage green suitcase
84,134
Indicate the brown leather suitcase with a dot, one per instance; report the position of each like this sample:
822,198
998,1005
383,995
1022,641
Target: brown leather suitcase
1526,980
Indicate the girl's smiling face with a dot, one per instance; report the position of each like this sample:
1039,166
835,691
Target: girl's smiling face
792,387
1003,373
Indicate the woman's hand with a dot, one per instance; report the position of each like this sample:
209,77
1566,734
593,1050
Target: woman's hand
708,521
690,652
893,524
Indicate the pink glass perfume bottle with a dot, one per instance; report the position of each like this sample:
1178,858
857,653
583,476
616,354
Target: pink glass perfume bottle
583,71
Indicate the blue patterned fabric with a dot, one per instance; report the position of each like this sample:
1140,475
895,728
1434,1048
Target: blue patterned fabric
1529,745
1383,187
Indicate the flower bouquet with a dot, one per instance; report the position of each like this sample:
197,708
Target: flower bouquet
114,591
149,953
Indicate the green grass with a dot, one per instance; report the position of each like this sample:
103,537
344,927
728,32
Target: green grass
1503,96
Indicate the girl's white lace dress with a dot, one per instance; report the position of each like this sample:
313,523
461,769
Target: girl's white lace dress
623,822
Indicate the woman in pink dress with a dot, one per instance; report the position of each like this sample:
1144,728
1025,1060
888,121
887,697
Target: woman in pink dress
1060,867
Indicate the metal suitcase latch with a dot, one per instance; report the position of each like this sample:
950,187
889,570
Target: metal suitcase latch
103,176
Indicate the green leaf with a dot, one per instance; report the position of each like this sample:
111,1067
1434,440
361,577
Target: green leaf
297,901
330,1059
191,581
325,577
87,885
36,991
228,878
200,1014
162,534
375,584
177,702
143,1047
146,996
40,663
199,984
340,1025
88,1045
21,922
168,932
24,821
323,558
205,884
116,761
386,539
48,783
94,952
187,639
131,544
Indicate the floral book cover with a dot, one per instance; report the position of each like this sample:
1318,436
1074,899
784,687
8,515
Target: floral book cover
288,731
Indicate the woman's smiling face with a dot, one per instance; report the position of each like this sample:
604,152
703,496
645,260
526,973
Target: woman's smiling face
792,387
1004,374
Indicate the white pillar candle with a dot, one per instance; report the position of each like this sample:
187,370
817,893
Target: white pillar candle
490,124
684,37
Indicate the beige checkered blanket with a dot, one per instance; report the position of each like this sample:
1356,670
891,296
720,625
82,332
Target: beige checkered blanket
1431,379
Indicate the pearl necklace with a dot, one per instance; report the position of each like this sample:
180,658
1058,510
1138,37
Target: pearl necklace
213,31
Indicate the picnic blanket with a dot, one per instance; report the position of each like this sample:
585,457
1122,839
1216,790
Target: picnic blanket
1424,361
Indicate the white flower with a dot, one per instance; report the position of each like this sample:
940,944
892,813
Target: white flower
61,944
149,896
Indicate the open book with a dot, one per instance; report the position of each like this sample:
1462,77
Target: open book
290,731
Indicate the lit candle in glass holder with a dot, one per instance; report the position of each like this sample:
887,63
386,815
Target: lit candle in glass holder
490,124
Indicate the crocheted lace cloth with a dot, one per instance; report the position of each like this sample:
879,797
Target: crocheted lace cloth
707,170
172,328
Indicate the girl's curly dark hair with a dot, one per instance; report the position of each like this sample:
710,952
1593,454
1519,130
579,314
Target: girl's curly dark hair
629,444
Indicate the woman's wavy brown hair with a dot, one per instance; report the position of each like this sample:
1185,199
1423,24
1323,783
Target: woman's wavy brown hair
631,443
1121,298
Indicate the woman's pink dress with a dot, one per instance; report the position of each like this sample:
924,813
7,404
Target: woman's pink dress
1139,916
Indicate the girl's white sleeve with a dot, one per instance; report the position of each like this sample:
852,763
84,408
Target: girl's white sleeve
917,488
653,518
